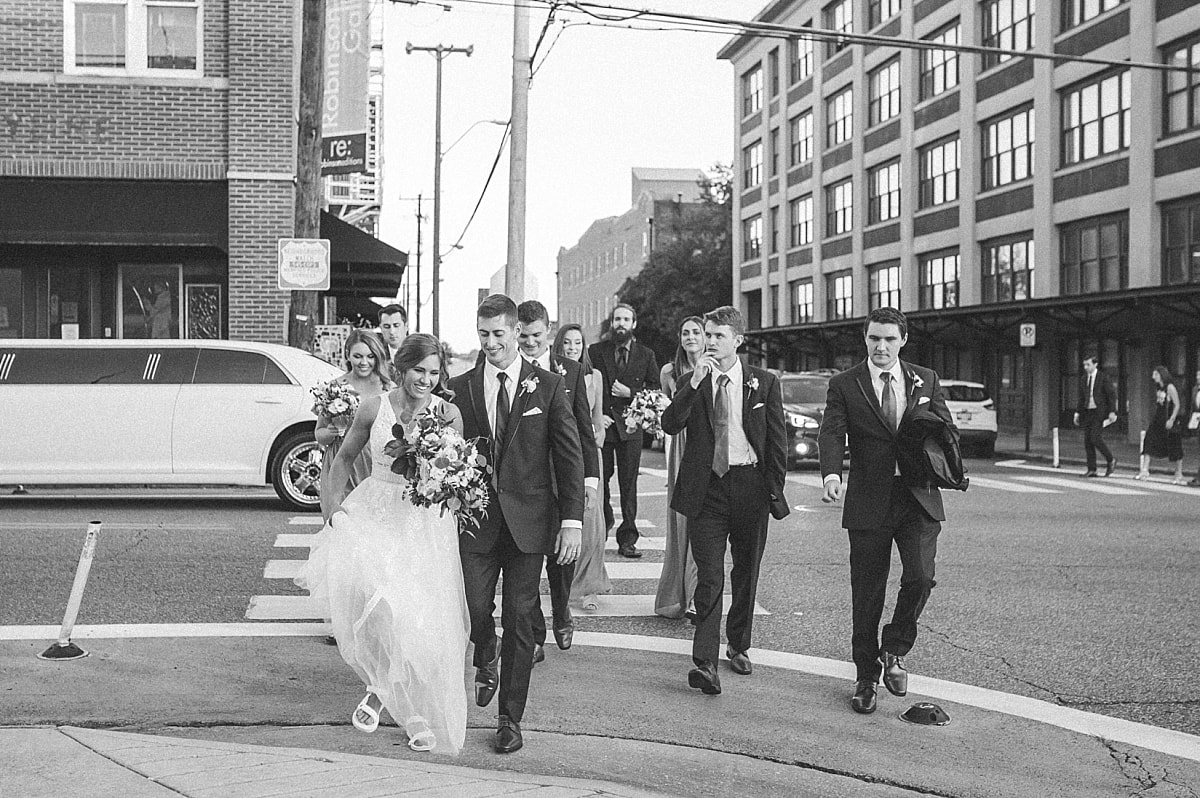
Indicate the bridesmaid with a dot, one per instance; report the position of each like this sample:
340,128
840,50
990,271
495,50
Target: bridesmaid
591,578
366,374
677,583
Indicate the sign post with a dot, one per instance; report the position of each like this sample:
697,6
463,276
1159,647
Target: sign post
1028,341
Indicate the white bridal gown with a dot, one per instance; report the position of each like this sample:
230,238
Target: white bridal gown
390,573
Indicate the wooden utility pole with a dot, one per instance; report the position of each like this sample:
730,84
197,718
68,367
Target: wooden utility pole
514,269
303,316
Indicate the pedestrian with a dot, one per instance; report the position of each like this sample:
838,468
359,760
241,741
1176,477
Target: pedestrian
1095,410
1164,436
627,368
677,582
591,576
865,407
1193,423
390,571
730,478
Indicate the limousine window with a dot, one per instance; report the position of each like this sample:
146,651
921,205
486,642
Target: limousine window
230,367
94,366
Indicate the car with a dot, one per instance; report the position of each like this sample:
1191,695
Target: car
804,394
161,412
974,414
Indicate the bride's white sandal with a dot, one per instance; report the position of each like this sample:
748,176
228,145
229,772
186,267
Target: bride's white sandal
364,707
423,740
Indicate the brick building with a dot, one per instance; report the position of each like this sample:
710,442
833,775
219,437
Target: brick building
147,155
978,193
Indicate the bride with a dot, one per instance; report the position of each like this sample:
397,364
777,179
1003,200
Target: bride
390,572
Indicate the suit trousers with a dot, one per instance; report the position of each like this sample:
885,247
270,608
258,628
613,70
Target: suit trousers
733,511
626,456
560,578
915,534
522,576
1093,437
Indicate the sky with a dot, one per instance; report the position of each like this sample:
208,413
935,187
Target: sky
603,101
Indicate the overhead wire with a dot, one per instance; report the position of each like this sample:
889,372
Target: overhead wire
486,183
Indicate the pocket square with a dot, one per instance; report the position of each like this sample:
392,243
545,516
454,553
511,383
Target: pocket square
923,400
760,404
533,411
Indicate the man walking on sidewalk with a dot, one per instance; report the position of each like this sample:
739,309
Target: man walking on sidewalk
1096,409
1195,413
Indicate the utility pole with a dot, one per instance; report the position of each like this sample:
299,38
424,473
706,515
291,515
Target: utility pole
417,326
440,52
302,319
514,269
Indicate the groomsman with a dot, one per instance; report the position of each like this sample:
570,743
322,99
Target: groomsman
732,474
393,326
1097,408
865,406
534,342
626,367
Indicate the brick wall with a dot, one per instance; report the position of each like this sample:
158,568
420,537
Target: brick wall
260,213
31,35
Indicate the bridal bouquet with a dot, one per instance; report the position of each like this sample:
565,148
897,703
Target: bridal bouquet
333,399
442,468
645,412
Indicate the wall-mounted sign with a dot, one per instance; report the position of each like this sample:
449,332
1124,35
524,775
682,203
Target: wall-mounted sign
303,264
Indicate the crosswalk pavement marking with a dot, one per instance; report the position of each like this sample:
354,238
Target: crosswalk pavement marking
289,541
289,569
1108,488
1162,486
1015,487
640,523
649,544
808,480
306,520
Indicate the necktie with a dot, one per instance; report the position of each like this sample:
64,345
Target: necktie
502,409
888,400
1092,386
721,427
622,358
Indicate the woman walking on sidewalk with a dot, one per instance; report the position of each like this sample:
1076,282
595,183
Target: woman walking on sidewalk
1164,436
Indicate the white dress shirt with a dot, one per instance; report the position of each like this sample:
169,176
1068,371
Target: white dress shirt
1091,403
740,451
542,361
898,386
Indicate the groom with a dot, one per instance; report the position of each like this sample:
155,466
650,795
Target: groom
535,506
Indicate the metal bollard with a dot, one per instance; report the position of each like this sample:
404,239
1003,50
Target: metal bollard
1054,442
64,648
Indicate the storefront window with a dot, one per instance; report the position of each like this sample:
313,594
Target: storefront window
10,303
150,301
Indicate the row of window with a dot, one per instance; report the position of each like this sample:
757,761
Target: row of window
589,313
605,261
133,36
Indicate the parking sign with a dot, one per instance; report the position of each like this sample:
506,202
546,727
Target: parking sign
1028,334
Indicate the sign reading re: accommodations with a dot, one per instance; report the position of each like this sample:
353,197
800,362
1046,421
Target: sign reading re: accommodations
347,86
303,264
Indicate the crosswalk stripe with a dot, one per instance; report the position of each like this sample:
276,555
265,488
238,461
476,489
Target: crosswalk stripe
1015,487
306,520
808,480
289,569
649,544
288,541
1079,484
1162,486
640,523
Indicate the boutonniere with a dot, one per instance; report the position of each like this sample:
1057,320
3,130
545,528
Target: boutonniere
529,384
752,383
561,369
918,383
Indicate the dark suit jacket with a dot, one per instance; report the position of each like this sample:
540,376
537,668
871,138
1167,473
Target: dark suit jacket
641,371
572,374
852,412
762,421
1106,395
538,482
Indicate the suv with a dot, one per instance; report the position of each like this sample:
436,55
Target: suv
974,415
161,412
804,395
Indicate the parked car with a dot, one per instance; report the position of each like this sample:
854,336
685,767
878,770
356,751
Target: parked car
161,412
804,395
974,415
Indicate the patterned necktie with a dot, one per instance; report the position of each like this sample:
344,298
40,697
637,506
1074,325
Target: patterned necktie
888,402
622,358
502,410
721,427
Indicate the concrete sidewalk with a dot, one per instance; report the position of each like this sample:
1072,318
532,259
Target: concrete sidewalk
1072,456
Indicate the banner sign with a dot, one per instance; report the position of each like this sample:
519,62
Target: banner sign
303,264
347,86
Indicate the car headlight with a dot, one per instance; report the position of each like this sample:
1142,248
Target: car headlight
801,421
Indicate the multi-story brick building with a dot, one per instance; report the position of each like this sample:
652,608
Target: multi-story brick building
615,248
978,193
147,161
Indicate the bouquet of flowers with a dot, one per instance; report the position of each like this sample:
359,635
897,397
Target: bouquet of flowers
442,468
334,399
645,412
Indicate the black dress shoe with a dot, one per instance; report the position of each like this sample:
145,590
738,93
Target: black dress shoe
1091,473
629,550
1111,467
739,662
564,636
1195,483
539,653
705,679
487,679
864,697
895,678
508,736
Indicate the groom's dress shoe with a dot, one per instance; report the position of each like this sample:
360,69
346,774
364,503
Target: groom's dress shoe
739,662
628,550
539,653
895,677
564,636
508,736
704,678
864,697
487,679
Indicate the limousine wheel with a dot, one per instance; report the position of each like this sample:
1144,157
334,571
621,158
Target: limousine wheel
296,472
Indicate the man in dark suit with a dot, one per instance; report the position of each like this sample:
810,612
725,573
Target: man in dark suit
732,474
627,367
1195,404
866,405
535,506
1096,409
534,341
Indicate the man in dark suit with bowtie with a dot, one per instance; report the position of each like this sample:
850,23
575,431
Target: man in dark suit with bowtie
1097,408
732,474
865,407
626,367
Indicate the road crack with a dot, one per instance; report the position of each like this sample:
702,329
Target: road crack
1142,777
1008,667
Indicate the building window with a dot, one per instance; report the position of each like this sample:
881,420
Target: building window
885,286
752,238
1094,255
939,68
800,135
800,57
1181,101
885,93
774,233
1008,269
880,10
839,293
752,157
1008,148
1095,118
773,310
939,280
838,17
939,173
1181,242
883,192
752,86
774,152
801,212
752,308
1076,12
1007,25
839,116
773,72
839,208
802,301
133,37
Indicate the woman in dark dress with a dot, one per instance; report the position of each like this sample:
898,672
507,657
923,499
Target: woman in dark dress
1163,436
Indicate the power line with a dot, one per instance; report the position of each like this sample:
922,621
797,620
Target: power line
488,182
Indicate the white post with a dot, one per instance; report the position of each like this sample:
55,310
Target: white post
1054,441
64,649
514,268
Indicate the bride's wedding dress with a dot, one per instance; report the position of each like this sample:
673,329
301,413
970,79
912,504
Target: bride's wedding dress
390,573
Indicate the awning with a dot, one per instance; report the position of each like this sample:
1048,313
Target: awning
361,264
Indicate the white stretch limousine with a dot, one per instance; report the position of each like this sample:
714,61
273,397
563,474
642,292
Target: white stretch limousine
160,412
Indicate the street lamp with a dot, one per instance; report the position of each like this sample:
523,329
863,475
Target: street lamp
473,125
